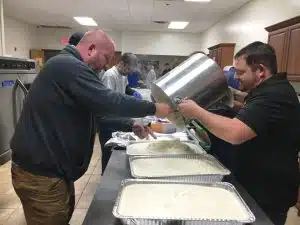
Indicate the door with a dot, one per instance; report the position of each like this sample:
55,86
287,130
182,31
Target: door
38,56
278,40
293,59
213,54
7,87
49,53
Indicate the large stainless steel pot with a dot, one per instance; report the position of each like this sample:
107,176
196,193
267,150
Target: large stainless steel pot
198,78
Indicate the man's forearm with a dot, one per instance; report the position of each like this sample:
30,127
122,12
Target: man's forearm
222,127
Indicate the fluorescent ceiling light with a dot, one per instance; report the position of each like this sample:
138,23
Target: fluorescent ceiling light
86,21
197,0
177,25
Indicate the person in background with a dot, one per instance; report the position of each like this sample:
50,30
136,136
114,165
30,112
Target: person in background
150,75
234,85
166,69
102,72
133,79
75,38
265,131
229,74
53,140
116,78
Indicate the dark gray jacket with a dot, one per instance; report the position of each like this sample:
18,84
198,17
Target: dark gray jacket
113,124
55,134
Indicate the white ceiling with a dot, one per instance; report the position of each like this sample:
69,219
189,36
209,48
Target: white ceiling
135,15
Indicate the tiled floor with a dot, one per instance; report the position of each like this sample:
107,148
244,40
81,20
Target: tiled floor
11,212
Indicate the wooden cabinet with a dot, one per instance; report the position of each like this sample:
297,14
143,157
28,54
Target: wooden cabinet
293,57
278,40
284,37
222,53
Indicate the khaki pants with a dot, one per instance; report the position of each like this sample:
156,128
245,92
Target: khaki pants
45,200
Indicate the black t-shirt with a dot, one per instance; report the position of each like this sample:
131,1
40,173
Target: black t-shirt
166,71
267,164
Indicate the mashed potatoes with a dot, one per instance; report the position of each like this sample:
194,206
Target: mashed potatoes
180,201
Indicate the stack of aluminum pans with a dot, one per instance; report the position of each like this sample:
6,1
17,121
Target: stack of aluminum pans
188,178
154,220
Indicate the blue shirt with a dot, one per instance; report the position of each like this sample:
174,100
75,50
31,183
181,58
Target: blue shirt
232,82
133,80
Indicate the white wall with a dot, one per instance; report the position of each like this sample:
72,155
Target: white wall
247,24
24,37
149,43
241,27
19,37
158,43
49,38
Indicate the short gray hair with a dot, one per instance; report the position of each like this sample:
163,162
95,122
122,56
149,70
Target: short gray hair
130,59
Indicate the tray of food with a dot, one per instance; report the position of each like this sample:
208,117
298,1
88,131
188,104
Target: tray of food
191,168
163,147
162,202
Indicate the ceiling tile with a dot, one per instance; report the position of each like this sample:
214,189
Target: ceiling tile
121,14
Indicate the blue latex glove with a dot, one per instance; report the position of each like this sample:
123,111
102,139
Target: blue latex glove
137,95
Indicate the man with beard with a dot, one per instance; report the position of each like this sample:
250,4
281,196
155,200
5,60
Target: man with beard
266,130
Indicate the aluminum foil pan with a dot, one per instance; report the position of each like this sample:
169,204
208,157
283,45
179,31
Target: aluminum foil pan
182,221
187,178
195,149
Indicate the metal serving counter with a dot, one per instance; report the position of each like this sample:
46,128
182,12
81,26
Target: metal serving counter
100,211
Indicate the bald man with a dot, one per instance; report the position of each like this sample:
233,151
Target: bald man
53,140
108,125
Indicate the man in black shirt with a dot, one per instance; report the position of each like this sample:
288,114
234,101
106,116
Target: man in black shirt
167,69
75,38
53,140
266,130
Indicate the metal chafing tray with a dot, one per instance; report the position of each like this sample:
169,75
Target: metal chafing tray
152,220
195,149
188,178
